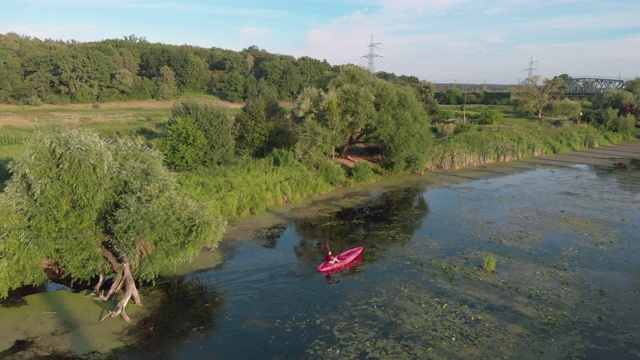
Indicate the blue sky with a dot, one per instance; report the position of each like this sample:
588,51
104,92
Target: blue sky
472,41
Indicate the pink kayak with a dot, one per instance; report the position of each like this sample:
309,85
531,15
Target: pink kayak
345,258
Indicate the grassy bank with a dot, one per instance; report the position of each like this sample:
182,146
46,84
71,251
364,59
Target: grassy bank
515,139
250,186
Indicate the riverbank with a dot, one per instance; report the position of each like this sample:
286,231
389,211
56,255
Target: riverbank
62,322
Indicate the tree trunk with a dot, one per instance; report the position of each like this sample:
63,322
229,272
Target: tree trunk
130,290
98,286
345,149
123,279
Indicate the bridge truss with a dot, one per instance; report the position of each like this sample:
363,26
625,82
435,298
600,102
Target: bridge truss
592,86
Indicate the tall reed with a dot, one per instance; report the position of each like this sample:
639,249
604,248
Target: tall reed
252,185
502,144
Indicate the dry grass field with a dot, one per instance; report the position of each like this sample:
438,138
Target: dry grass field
82,114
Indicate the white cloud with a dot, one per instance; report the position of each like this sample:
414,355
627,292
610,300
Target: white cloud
494,40
417,5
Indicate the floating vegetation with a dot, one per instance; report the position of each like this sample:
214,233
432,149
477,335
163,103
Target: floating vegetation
412,324
489,263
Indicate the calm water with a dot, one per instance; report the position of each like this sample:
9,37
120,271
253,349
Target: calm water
566,285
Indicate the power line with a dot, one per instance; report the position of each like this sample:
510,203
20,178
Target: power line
371,56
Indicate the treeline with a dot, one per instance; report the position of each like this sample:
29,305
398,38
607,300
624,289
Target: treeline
35,71
455,96
353,111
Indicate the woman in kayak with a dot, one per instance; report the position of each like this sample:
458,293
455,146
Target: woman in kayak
329,257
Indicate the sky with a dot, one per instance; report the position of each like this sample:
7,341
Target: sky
441,41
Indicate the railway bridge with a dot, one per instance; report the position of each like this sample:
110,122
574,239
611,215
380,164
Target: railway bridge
589,86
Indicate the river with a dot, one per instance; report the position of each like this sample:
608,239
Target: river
563,231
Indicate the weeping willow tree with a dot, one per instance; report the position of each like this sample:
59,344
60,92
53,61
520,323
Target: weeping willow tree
85,208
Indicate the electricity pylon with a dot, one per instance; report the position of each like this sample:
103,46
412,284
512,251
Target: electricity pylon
531,68
371,56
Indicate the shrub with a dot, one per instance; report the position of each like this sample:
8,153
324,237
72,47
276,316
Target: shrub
564,108
489,115
33,101
185,145
620,124
442,114
462,128
608,120
214,124
280,157
331,173
362,172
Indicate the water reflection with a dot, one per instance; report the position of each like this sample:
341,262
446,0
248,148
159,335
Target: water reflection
625,171
389,218
268,237
181,308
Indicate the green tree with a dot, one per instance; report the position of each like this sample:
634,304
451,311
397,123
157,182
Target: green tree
489,115
89,208
402,127
82,73
9,75
615,99
350,95
166,84
617,123
216,127
123,58
535,96
608,119
358,109
262,126
190,70
232,86
185,146
281,72
250,87
123,81
313,72
317,117
453,96
633,86
37,71
346,110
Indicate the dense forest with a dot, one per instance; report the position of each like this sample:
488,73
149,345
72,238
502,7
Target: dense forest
37,71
